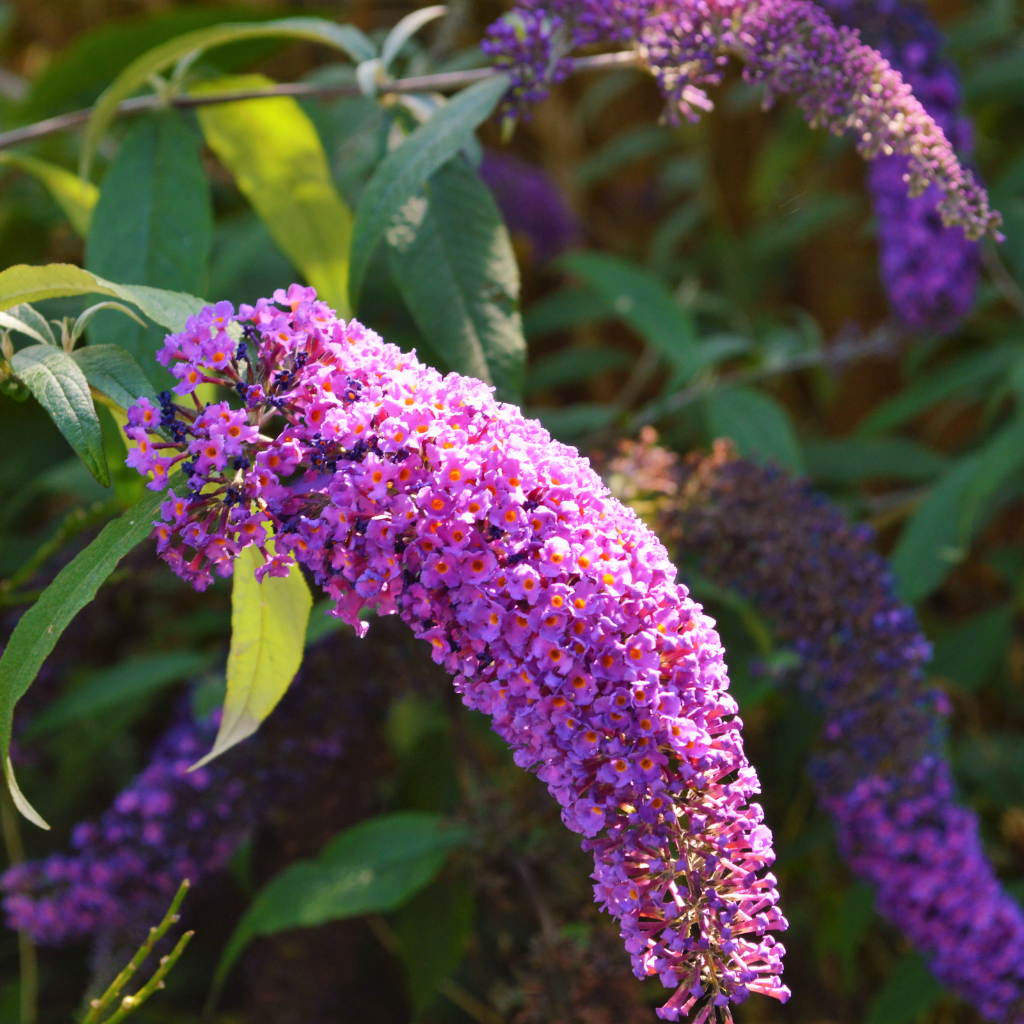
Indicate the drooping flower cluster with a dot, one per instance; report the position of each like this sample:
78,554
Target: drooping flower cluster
930,271
552,605
530,203
170,823
791,47
879,768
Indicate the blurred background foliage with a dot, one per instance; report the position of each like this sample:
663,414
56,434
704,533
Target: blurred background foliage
718,279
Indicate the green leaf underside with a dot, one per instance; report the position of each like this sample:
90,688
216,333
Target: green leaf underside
153,224
73,195
757,423
643,302
268,636
40,627
405,170
373,867
23,283
278,162
60,387
112,371
341,37
109,688
453,262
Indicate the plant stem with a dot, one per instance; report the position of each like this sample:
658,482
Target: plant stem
27,963
447,81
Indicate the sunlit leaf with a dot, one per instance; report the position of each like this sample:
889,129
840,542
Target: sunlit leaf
374,866
275,155
758,424
76,197
60,387
317,30
268,637
39,629
452,260
153,224
405,170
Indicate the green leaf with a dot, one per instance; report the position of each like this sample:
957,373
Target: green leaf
970,654
35,320
570,422
405,170
341,37
373,867
851,459
574,364
626,148
278,162
452,260
12,323
940,532
41,626
23,283
153,224
569,307
61,389
268,637
111,687
643,302
910,991
76,197
433,929
110,370
759,425
956,379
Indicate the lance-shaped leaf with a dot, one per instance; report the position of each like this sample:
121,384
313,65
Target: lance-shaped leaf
346,38
75,196
278,162
373,867
268,637
112,371
405,170
452,259
60,387
758,424
23,283
41,626
34,319
153,224
13,323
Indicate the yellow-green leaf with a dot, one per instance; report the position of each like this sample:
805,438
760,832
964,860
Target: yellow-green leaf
274,152
268,635
346,38
75,196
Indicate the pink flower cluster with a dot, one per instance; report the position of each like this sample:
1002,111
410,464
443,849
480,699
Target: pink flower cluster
552,605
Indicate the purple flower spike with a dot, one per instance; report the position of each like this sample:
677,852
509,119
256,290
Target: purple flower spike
551,604
791,47
880,768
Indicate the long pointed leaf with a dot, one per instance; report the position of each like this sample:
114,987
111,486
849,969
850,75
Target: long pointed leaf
278,162
341,37
60,387
41,626
75,196
405,170
112,371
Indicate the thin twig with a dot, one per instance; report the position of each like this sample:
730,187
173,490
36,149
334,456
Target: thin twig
28,967
131,1003
447,81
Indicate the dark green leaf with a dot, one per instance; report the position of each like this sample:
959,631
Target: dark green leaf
760,426
452,260
851,459
910,991
41,626
956,379
570,422
112,371
574,364
626,148
643,301
61,388
111,687
153,224
373,867
570,307
405,170
970,654
433,929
